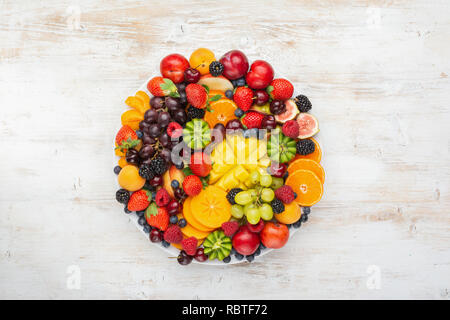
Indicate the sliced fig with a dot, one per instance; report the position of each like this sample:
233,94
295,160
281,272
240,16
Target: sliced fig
308,124
290,113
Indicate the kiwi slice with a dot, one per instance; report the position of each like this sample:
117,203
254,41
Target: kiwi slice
197,134
217,245
281,148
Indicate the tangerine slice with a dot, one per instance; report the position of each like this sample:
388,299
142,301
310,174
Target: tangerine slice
211,208
190,231
308,164
316,155
187,213
307,186
222,111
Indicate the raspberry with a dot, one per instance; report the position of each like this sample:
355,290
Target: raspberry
173,234
230,228
190,245
174,130
162,197
291,129
285,194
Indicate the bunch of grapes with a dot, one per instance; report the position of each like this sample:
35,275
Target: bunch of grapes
255,203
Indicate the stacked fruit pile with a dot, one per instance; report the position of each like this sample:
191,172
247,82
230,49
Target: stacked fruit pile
219,160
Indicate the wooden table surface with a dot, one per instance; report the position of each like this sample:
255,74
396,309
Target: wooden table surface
377,73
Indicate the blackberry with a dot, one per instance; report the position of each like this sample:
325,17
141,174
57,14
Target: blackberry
231,194
159,166
122,196
305,147
303,103
215,68
277,206
146,172
195,113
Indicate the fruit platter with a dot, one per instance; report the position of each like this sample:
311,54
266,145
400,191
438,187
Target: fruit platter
216,159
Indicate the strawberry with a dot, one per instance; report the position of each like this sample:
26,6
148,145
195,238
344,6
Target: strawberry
190,245
192,185
252,119
162,197
139,200
200,164
243,97
161,87
291,129
157,216
280,89
230,228
126,138
196,95
173,234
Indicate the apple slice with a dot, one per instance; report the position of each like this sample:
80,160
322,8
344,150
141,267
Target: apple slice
216,83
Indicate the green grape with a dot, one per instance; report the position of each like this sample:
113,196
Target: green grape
254,177
266,212
265,180
253,193
243,198
237,211
249,206
267,194
253,215
276,183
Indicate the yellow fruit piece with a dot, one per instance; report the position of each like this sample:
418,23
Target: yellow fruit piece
144,97
307,164
187,214
190,231
242,186
241,174
307,185
200,59
122,162
130,179
210,207
132,118
291,213
137,104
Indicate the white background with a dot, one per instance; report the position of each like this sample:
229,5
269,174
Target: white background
377,73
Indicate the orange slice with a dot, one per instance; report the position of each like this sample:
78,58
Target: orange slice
211,208
222,111
316,155
291,213
308,164
307,185
190,219
190,231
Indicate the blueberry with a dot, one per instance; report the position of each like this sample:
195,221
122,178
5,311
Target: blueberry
153,196
149,187
182,223
306,210
295,196
126,210
117,169
268,170
165,244
238,112
140,213
141,221
297,224
179,165
234,83
239,256
304,218
233,251
262,247
175,184
229,94
226,259
240,82
247,134
289,226
261,134
147,228
139,134
257,252
286,175
173,219
250,257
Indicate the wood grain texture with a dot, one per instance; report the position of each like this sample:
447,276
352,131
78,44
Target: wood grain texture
375,71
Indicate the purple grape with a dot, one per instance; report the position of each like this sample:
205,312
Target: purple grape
154,130
180,116
157,103
146,151
143,126
164,139
165,154
183,98
151,116
163,119
172,103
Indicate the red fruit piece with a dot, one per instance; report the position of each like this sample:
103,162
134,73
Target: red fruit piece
278,169
192,185
173,234
280,89
161,87
253,119
291,129
243,97
157,217
200,164
126,138
139,200
173,67
256,228
174,130
230,228
190,245
162,197
285,194
196,95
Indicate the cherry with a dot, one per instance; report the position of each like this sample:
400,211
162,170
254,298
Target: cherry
269,122
155,235
200,255
234,124
261,97
156,181
183,258
192,75
277,107
173,207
